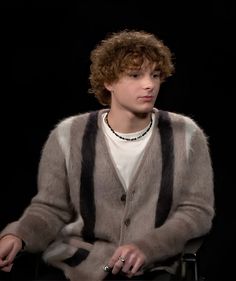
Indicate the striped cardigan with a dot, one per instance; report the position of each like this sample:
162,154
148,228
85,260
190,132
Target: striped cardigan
82,213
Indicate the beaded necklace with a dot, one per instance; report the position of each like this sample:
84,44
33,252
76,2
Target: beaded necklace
128,139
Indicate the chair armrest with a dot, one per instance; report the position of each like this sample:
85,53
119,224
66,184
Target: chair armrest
25,266
191,248
189,262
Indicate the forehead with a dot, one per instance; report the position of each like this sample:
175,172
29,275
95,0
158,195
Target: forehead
145,65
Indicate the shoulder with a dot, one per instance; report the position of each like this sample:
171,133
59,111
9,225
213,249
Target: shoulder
76,122
192,130
68,129
181,120
64,129
69,121
185,124
178,119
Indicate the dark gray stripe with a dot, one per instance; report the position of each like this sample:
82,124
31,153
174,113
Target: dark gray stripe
77,258
167,177
87,202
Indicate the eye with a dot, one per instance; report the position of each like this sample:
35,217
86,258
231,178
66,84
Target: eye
156,74
134,74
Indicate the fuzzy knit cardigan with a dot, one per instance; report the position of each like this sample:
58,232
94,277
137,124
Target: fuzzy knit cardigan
82,213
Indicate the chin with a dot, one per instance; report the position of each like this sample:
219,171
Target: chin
146,109
143,113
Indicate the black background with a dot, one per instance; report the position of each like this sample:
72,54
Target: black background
45,49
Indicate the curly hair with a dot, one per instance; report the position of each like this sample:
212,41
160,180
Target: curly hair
125,50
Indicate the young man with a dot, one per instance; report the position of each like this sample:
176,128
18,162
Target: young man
121,190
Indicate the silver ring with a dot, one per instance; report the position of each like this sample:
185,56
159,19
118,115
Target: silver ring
122,259
106,268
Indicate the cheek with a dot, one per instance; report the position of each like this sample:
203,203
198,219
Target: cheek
158,84
157,87
127,92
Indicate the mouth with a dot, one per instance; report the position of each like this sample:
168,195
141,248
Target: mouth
147,98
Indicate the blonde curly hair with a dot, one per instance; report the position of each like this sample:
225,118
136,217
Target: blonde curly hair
124,50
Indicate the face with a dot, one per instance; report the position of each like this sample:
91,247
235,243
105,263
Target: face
136,90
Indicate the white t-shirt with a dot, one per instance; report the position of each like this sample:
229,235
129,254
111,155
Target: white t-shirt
126,155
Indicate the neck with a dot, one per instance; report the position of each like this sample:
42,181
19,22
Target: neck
126,138
128,122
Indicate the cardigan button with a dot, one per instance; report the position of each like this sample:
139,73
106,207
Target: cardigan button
127,222
123,197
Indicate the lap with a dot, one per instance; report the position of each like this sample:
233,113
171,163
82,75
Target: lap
31,267
159,275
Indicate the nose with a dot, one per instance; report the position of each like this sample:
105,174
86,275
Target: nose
148,82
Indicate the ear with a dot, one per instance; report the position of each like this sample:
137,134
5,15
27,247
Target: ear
108,86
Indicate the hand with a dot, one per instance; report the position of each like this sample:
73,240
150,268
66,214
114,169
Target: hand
128,259
10,245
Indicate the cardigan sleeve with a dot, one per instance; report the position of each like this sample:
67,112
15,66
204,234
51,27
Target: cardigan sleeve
194,210
50,209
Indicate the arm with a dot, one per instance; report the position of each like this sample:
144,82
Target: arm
194,209
50,209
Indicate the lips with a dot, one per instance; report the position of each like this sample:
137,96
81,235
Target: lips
147,97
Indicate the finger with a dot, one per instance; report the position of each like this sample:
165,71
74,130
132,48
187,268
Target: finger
128,264
114,258
13,253
117,266
5,251
137,265
7,268
3,263
5,260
